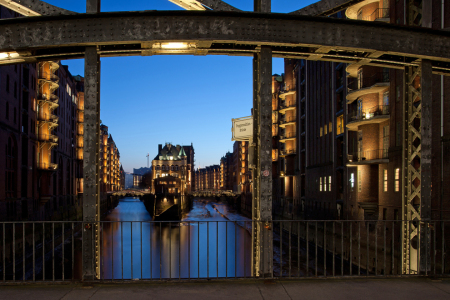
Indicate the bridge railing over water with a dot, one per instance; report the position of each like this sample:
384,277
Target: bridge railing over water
187,250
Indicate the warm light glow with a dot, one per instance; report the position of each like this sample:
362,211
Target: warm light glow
5,55
174,45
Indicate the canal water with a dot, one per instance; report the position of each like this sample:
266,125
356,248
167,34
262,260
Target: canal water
204,244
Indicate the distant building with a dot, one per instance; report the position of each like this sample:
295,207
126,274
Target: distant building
172,161
128,180
138,175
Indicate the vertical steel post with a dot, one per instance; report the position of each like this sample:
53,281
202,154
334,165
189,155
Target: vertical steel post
91,196
262,141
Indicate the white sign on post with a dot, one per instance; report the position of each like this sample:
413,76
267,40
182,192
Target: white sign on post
242,129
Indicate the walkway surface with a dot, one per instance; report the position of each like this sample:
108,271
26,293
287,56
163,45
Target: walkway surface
331,289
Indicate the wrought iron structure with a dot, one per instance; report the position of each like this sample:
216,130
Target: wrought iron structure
222,29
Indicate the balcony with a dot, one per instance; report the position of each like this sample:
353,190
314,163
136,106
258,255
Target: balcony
373,115
287,105
380,156
50,99
288,137
47,166
287,121
375,83
380,14
288,90
288,152
47,138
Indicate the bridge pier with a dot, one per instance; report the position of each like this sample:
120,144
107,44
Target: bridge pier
91,196
262,254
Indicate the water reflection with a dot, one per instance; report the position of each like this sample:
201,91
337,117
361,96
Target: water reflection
203,245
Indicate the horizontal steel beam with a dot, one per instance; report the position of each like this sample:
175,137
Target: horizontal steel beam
217,5
34,8
225,33
325,7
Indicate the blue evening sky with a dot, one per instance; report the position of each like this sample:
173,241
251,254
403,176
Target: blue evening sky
146,101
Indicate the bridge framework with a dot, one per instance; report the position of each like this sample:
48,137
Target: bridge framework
424,52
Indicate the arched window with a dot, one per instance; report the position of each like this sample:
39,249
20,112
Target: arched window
163,168
7,110
10,169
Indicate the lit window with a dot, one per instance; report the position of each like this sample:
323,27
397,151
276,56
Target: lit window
320,184
325,127
329,183
397,180
359,181
321,131
324,184
385,178
330,127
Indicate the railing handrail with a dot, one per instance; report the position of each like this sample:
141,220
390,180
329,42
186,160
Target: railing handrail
377,110
377,14
289,103
355,83
288,135
370,154
287,120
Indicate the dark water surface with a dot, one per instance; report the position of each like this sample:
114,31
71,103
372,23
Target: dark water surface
204,244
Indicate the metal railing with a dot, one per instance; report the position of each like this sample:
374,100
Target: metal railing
288,120
288,152
48,137
287,89
47,166
378,110
379,13
150,250
288,135
367,81
288,104
48,76
368,155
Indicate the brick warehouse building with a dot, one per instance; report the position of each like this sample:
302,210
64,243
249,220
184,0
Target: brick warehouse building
41,140
350,132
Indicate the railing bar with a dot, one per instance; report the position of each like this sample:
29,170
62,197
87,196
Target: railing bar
34,254
392,247
111,227
359,248
367,248
298,249
334,245
235,251
245,247
179,251
14,252
189,249
384,248
131,248
141,252
43,251
121,245
418,256
226,250
281,249
342,248
4,254
434,248
315,242
160,251
198,250
100,250
325,248
427,243
92,246
217,249
170,251
62,245
290,233
207,249
23,251
351,248
442,246
53,250
307,248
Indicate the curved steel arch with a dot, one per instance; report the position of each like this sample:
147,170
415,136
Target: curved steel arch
228,33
